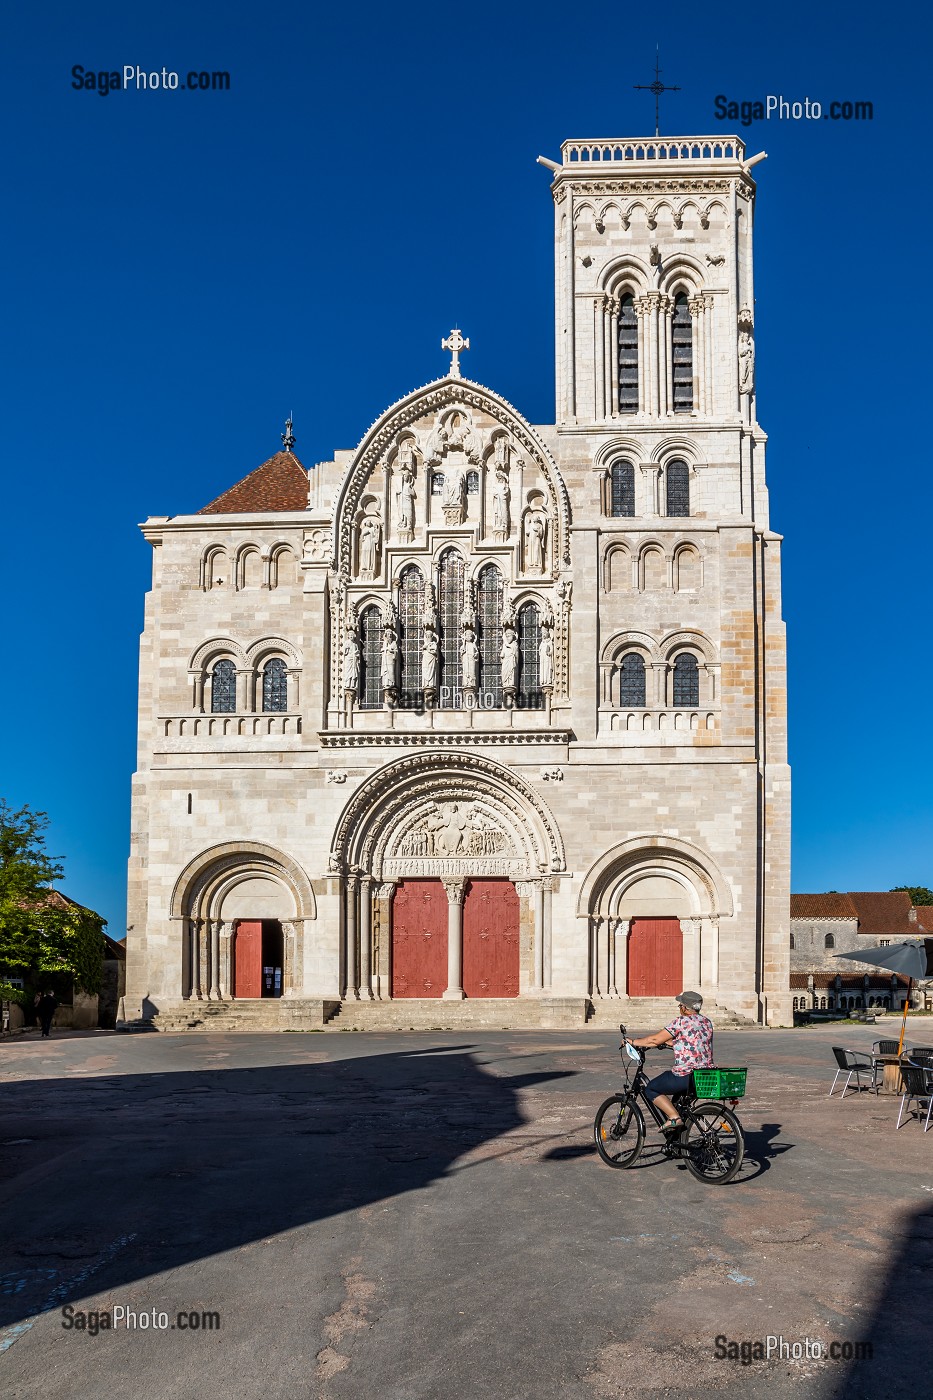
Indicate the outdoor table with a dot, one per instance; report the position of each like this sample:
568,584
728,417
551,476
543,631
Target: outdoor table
891,1082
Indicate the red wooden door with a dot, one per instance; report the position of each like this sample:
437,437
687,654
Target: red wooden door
655,958
419,939
490,939
247,959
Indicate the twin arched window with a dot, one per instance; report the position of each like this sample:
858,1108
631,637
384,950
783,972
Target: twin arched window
681,354
274,686
622,488
685,690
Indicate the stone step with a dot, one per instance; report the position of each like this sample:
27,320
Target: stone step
260,1015
436,1014
639,1014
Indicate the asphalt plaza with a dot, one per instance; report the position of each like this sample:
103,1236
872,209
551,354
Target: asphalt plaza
423,1215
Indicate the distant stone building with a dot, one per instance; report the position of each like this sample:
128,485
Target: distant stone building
484,713
824,925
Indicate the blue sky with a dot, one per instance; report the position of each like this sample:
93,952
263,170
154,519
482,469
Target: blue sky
184,268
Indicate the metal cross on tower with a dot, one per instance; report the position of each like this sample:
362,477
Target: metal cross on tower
657,87
455,343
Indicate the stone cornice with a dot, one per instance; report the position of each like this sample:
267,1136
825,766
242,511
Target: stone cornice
348,739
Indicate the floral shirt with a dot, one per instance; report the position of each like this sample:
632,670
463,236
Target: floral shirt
693,1042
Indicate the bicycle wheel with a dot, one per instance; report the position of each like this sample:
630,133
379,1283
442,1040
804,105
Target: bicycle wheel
619,1131
713,1144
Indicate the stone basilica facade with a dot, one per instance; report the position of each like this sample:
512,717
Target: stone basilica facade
483,721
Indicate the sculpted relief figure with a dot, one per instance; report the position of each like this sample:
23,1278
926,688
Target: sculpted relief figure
429,662
746,363
351,662
405,502
546,659
469,660
509,659
535,541
389,658
370,544
500,505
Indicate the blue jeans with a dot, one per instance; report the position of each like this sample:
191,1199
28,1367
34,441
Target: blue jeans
667,1083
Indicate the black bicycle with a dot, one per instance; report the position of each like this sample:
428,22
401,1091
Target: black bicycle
711,1143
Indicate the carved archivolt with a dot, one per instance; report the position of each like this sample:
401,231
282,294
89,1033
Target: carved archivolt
445,400
433,812
202,883
643,855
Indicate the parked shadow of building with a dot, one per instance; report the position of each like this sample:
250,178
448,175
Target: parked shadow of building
158,1170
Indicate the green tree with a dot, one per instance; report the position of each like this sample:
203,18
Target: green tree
919,894
41,930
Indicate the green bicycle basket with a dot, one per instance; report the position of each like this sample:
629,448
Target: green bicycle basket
719,1083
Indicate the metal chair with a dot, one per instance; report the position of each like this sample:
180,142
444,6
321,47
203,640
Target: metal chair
854,1062
920,1057
918,1088
879,1050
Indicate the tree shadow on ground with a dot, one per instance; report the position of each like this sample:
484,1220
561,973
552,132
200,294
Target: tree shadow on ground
131,1175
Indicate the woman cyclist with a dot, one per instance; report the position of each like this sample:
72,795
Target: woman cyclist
691,1035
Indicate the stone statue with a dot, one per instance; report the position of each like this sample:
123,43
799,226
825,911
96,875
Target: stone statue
454,483
429,661
405,503
351,662
370,542
389,658
546,659
746,363
469,660
535,538
500,504
509,659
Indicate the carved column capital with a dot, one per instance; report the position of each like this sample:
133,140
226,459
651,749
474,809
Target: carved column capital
455,887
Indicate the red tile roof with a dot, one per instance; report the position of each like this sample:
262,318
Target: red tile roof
850,980
883,912
822,906
924,924
279,484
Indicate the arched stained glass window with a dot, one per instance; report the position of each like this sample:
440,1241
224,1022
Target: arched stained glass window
628,358
411,638
489,618
686,682
632,680
437,483
450,597
682,346
274,686
622,489
678,488
472,483
223,688
370,691
529,695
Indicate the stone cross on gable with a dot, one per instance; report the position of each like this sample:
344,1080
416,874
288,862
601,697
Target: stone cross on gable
455,343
